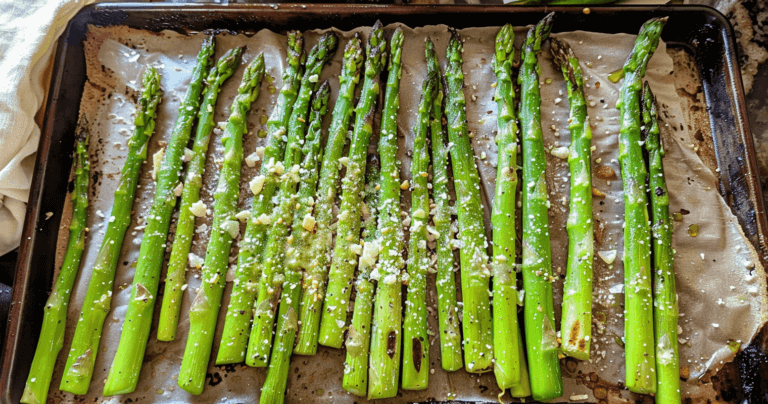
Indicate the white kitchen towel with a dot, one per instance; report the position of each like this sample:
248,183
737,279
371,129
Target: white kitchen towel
28,37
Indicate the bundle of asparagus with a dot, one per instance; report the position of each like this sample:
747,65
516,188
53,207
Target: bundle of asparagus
283,263
55,319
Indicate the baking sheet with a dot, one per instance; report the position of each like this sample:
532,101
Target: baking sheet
721,296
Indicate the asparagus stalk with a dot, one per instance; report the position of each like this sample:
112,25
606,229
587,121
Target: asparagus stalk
124,373
475,271
358,340
272,268
576,323
55,318
638,324
448,318
329,174
237,323
665,310
287,319
98,298
314,281
185,225
541,340
225,228
386,332
506,331
415,338
342,271
522,388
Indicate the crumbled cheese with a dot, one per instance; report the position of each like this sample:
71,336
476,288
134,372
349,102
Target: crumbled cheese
356,248
344,161
198,209
257,184
188,154
252,159
179,189
579,397
264,219
232,227
260,151
195,260
405,185
309,222
157,160
243,215
560,152
607,256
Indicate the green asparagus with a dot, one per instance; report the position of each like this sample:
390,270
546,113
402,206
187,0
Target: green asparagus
185,225
541,340
638,324
665,309
329,174
415,338
475,271
287,319
204,312
124,373
448,317
386,331
55,318
272,265
506,337
358,340
576,325
237,323
314,281
78,370
345,254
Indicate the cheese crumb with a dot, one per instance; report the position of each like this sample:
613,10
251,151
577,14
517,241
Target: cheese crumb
252,159
257,184
157,160
309,222
198,209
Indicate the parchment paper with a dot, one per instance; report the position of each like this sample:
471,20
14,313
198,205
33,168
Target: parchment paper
721,284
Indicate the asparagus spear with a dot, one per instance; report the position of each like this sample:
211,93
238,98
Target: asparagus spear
448,318
665,310
225,228
326,196
386,332
287,319
577,292
314,281
358,340
415,338
506,332
185,226
55,318
342,270
237,323
475,272
98,298
638,325
522,388
541,341
272,268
